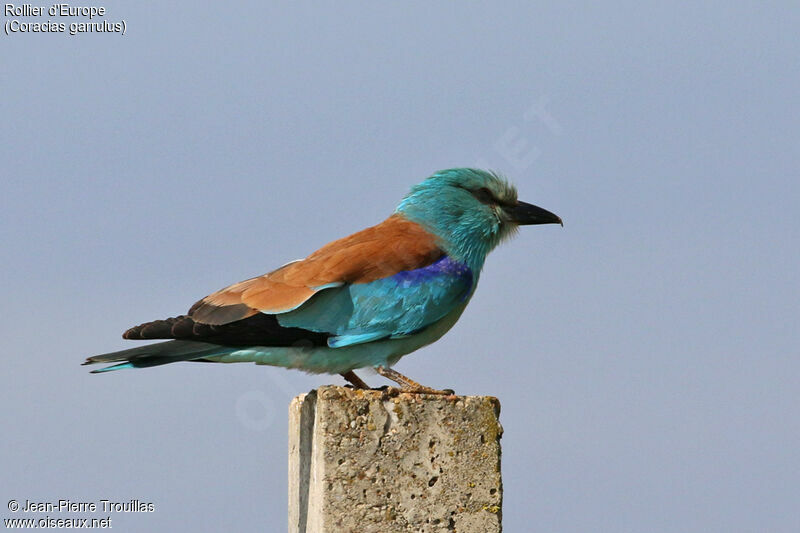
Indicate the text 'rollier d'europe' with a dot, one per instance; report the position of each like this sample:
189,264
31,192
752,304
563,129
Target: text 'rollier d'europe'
55,10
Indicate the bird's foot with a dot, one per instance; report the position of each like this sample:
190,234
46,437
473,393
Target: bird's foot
356,381
409,385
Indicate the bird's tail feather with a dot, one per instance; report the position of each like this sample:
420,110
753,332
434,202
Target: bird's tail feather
160,353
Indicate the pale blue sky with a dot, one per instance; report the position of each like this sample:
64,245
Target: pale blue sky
646,355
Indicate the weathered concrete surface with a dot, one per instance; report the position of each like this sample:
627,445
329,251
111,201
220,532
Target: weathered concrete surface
373,461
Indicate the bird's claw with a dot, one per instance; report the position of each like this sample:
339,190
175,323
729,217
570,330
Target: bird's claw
407,385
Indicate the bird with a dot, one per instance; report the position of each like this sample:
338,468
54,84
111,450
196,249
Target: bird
362,301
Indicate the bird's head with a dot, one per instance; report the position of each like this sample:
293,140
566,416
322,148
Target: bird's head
471,211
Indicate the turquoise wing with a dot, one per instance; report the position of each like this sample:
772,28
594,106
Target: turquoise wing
392,307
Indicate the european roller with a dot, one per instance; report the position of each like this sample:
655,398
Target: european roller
361,301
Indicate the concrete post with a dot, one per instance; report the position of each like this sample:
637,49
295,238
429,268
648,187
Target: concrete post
373,461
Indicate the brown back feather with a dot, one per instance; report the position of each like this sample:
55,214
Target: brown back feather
394,245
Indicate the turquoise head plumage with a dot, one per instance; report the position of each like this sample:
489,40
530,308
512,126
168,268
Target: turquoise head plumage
471,211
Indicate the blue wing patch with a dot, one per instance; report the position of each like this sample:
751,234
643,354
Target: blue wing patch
396,306
348,340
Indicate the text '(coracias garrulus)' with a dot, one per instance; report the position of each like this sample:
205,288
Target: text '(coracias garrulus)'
362,301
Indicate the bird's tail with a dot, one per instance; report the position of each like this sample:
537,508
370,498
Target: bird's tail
160,353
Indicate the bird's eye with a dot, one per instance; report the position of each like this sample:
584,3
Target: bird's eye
484,195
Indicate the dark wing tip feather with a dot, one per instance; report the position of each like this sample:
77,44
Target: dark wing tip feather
257,330
169,328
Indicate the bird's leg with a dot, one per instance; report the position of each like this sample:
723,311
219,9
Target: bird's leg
408,384
357,382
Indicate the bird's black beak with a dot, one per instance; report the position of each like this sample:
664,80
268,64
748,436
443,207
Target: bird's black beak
527,214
